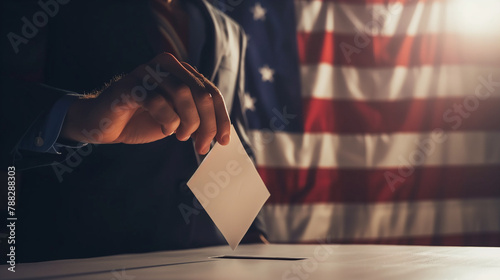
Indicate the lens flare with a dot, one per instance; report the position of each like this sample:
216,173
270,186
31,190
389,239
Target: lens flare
475,16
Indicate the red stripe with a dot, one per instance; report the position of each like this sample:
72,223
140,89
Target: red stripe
465,239
402,50
368,186
340,116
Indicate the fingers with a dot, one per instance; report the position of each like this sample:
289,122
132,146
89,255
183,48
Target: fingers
208,123
184,102
141,128
152,99
196,112
162,112
168,61
218,106
179,89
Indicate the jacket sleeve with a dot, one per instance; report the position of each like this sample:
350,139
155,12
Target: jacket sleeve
23,104
25,99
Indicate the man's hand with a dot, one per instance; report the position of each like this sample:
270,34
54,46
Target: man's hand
156,100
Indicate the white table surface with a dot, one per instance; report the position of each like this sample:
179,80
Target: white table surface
322,262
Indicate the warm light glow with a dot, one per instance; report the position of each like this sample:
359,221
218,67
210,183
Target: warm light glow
475,16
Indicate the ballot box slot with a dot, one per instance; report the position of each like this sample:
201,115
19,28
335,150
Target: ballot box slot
258,258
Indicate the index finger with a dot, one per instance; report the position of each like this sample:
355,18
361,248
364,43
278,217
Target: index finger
221,114
169,62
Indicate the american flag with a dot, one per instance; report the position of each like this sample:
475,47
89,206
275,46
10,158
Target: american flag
376,121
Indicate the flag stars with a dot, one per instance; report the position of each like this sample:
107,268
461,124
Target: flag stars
249,102
267,73
259,13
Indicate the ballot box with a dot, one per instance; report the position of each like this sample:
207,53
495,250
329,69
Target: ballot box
315,261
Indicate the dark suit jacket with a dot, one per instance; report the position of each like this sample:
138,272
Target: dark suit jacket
106,199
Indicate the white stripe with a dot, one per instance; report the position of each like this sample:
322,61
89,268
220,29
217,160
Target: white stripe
374,19
397,19
326,81
310,150
291,223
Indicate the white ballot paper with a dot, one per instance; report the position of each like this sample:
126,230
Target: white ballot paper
229,188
